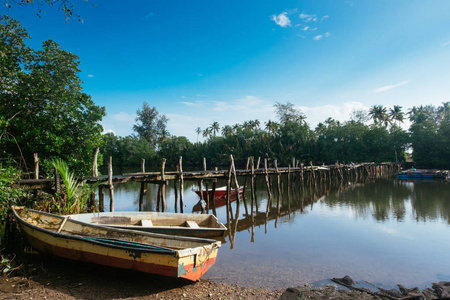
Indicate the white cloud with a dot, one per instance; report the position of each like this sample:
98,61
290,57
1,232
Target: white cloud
389,87
90,75
324,17
282,20
120,124
342,113
193,104
307,17
446,44
105,131
305,28
318,37
327,34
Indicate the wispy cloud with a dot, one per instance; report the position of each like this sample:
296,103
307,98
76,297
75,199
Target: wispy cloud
446,44
193,104
389,87
90,75
282,19
308,23
321,36
308,18
149,15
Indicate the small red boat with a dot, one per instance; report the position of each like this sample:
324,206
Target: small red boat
220,197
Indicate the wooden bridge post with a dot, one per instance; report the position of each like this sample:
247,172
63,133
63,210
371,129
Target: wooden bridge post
175,189
101,201
278,185
269,198
229,193
252,186
141,197
110,184
206,186
213,198
163,185
236,184
94,173
181,184
36,165
245,186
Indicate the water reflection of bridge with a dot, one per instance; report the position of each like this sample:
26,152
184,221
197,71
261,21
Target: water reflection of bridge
295,200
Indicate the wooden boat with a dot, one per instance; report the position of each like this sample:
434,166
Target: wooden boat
174,256
415,174
219,192
220,198
193,225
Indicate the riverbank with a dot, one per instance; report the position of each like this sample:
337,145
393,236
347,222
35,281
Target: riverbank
62,279
54,278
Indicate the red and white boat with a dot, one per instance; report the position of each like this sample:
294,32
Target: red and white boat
220,197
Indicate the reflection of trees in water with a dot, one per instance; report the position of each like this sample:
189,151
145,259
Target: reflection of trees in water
430,200
387,199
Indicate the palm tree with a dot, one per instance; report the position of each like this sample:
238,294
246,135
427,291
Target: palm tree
320,128
207,132
227,130
379,115
272,127
330,122
198,131
396,114
444,110
215,127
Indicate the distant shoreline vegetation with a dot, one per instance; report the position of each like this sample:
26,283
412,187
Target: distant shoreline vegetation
382,140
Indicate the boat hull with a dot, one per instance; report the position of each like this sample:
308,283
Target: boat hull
220,198
191,263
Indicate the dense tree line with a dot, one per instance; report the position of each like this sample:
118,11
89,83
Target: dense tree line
43,108
369,136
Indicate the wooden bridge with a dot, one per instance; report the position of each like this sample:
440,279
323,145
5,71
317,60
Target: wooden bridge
304,173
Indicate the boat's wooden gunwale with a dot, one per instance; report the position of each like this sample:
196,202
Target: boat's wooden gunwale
165,223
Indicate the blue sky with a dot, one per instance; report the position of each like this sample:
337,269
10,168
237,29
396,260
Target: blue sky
201,61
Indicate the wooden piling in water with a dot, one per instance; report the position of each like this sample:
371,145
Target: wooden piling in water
163,184
278,186
269,192
110,185
180,175
141,197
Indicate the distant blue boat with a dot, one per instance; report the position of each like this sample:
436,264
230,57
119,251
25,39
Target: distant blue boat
415,174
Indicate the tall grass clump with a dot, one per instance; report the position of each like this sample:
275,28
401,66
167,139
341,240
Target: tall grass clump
77,192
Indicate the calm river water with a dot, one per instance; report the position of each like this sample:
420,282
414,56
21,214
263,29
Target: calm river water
384,231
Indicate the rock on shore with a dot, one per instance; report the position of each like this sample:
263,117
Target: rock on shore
346,288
